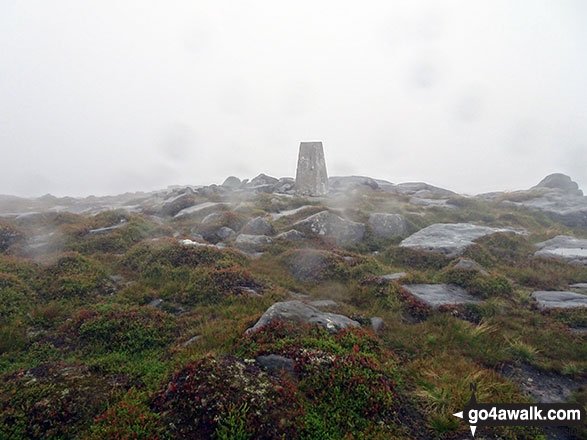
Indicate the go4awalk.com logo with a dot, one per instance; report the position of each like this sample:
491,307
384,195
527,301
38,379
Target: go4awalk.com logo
520,414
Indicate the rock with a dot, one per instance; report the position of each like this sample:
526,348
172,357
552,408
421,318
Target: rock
324,304
465,263
201,209
559,299
450,239
432,203
175,204
211,218
327,224
562,182
224,233
411,188
346,184
579,286
387,225
108,229
252,243
231,182
156,303
291,235
192,340
571,249
278,215
285,185
263,179
311,176
376,324
393,276
298,312
257,226
275,362
436,295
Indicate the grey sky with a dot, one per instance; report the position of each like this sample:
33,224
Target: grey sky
101,97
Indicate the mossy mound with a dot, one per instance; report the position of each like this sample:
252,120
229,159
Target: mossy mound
115,327
228,398
9,235
315,265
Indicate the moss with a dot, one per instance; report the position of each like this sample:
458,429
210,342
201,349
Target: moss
414,259
476,283
315,265
9,235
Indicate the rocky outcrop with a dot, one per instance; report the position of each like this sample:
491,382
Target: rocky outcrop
311,175
561,182
450,239
436,295
231,182
329,225
387,225
299,312
564,247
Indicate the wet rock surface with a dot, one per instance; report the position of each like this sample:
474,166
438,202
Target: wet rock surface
387,225
450,239
559,299
436,295
297,311
564,247
329,225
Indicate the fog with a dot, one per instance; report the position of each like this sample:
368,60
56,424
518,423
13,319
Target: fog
104,97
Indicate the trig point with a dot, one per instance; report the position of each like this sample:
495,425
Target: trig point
311,176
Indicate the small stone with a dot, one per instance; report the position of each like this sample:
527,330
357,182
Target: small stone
376,324
156,303
275,362
393,276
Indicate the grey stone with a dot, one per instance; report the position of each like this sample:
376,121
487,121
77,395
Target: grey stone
450,239
291,235
176,203
298,312
278,215
330,225
393,276
224,233
252,243
346,184
311,175
436,295
324,304
376,324
564,247
562,182
559,299
387,225
201,209
156,303
432,203
211,218
285,185
579,286
411,188
275,362
108,229
263,179
257,226
231,182
192,340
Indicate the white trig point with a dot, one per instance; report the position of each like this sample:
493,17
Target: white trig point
311,176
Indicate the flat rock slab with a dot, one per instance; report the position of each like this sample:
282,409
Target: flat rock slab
582,287
201,209
450,239
559,299
564,247
299,312
436,295
393,276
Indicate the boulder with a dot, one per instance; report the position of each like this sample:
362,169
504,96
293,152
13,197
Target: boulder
275,362
450,239
258,226
329,225
202,209
252,243
224,233
377,324
263,179
211,218
559,299
564,247
561,182
299,312
387,225
465,263
346,184
582,287
313,265
436,295
175,204
311,175
231,182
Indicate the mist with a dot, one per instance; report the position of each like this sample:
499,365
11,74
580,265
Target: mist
108,97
